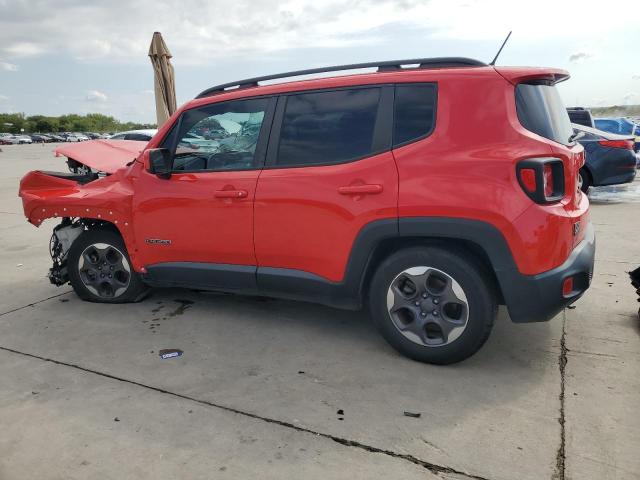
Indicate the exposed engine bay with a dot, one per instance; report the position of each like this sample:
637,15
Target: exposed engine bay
87,162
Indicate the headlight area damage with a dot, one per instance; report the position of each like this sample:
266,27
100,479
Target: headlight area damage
96,193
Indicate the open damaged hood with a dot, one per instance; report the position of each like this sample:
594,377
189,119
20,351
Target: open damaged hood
102,155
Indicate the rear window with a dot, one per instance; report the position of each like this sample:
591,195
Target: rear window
541,111
328,127
415,110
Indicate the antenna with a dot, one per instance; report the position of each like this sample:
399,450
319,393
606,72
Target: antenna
493,62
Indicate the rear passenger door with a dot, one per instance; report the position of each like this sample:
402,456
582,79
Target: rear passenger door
329,172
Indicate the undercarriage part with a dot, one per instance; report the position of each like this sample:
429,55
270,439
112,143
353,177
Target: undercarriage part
63,237
635,281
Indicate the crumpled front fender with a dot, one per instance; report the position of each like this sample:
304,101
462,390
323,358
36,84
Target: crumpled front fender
106,199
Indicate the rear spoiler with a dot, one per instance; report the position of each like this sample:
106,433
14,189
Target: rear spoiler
517,75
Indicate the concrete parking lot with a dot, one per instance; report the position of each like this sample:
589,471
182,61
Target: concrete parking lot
278,389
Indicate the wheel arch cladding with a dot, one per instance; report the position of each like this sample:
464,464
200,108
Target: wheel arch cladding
468,248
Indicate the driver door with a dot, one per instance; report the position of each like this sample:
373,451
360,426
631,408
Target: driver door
196,227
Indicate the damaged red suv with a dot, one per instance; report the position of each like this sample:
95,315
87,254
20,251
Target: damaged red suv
367,190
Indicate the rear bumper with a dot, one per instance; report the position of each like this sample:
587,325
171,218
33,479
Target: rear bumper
538,298
620,178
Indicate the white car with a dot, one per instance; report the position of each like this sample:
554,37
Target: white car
18,139
76,137
139,135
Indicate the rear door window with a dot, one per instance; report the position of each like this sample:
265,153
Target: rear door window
328,127
414,112
541,111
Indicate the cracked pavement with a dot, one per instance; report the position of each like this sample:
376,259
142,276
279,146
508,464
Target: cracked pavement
84,394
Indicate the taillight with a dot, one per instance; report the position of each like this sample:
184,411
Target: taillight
542,179
624,144
528,178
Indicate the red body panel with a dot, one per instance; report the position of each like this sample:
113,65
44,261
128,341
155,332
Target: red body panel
103,155
301,219
192,211
471,172
306,220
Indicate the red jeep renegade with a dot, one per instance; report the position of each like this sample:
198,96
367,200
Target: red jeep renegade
429,192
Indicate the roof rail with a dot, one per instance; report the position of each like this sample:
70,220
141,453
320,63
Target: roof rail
387,66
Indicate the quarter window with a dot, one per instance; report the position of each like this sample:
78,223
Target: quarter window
219,137
328,127
414,112
541,111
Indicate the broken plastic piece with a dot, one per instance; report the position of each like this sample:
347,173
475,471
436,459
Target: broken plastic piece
412,415
170,353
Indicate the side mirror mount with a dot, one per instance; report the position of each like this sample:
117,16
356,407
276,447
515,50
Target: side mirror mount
160,162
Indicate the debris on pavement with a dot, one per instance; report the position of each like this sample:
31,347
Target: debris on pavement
170,353
412,415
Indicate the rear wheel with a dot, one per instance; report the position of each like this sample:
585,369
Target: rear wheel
100,269
584,180
432,304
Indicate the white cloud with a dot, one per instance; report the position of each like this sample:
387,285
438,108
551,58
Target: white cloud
24,49
198,32
3,98
8,67
630,98
96,96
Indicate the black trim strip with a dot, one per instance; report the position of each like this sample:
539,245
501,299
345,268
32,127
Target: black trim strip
385,66
529,298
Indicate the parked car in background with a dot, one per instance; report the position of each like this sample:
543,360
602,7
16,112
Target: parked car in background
619,126
138,135
39,138
610,158
56,138
345,191
20,139
76,137
581,116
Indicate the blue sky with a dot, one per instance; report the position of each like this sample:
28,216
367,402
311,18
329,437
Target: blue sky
74,56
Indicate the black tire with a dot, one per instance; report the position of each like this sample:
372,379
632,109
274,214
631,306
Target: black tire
463,270
129,287
585,176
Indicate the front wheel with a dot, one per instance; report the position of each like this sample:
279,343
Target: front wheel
100,269
432,304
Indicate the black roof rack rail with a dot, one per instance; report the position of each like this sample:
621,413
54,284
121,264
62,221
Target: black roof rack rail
387,66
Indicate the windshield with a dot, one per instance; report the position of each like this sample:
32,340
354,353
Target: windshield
541,111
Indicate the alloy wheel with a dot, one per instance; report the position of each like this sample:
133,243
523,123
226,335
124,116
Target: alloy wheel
427,306
104,270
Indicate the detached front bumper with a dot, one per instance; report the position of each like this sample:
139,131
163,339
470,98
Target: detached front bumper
538,298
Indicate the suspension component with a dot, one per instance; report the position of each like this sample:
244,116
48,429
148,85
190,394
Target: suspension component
61,240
